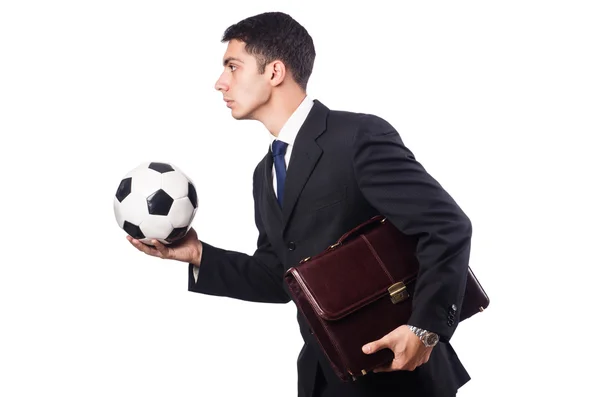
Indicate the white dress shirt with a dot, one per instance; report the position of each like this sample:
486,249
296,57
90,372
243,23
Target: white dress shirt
289,131
288,134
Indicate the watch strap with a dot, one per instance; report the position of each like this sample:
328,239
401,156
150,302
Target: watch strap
421,333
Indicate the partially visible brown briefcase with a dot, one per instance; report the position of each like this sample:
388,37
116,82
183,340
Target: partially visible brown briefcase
359,289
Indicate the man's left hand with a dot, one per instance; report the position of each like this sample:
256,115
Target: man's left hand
409,351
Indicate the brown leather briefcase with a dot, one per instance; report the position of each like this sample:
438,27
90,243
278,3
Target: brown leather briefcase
359,289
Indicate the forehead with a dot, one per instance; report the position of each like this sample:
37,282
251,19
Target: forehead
236,50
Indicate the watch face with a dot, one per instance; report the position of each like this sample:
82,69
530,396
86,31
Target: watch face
431,339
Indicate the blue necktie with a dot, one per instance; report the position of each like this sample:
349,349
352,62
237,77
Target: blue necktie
279,148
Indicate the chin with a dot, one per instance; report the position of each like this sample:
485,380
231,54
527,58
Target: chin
238,115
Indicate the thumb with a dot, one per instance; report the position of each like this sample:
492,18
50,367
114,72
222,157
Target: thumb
375,346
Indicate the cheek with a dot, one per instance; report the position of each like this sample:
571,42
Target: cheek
257,89
251,91
262,92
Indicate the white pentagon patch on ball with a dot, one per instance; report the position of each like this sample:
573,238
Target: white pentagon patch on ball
155,201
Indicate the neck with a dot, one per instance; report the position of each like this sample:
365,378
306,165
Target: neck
276,112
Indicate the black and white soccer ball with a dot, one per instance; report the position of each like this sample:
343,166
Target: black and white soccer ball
156,201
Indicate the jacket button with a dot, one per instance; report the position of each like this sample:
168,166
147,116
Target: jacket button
291,246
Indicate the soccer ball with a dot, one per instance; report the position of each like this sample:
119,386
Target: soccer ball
155,201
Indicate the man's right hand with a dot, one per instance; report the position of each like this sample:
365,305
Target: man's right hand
188,249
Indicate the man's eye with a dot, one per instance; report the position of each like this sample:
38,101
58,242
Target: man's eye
232,67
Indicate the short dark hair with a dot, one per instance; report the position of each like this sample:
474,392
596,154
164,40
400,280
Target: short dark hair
276,35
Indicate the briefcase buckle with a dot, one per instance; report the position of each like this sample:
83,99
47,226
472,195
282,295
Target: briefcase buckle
398,292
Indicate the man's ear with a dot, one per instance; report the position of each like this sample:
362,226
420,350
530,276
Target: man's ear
277,72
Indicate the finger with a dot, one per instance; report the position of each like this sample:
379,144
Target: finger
383,368
142,247
161,248
375,346
395,365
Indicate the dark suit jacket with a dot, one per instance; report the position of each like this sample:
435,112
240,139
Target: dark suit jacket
345,168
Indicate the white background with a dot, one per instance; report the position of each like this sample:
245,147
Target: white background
499,101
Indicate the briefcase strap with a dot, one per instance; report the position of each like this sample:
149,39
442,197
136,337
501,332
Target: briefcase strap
359,229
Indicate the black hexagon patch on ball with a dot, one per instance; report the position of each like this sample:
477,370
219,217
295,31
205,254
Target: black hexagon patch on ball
176,234
133,230
124,189
159,203
192,195
161,167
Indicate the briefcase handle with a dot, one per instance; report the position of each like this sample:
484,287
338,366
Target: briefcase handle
358,229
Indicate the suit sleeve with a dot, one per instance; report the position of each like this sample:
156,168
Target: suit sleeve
257,277
398,186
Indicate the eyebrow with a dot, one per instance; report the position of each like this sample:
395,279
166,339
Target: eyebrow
229,59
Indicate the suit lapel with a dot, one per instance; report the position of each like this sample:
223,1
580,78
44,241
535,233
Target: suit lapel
268,183
305,155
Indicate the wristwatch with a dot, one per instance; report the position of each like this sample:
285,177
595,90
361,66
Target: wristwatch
429,339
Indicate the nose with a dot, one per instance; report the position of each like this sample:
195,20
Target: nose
222,84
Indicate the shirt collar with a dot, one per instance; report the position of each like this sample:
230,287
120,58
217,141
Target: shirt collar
290,129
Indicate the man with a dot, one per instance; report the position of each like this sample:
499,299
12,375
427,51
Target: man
325,172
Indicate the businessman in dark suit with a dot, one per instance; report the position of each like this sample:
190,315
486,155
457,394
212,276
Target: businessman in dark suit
324,173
